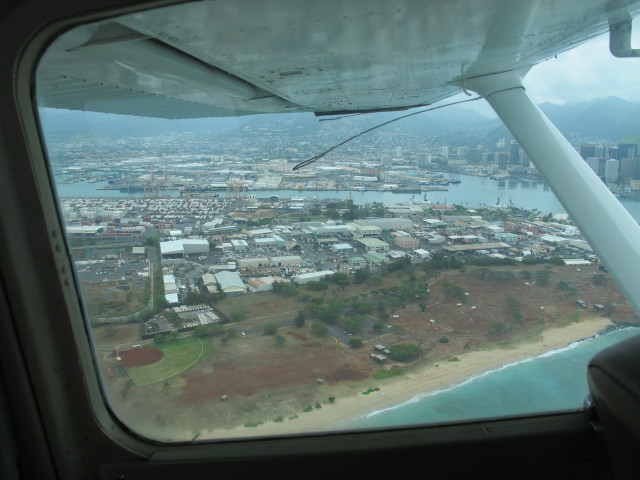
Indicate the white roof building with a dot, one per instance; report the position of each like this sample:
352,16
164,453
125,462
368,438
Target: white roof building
230,282
303,278
239,244
172,298
341,247
260,232
184,246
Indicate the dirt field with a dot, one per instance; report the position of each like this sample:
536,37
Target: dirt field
263,380
259,367
137,357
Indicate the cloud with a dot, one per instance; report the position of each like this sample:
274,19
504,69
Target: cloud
586,72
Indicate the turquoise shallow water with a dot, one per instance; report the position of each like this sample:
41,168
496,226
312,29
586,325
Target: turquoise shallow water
555,381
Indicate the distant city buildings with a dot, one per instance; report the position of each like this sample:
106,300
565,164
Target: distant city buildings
614,164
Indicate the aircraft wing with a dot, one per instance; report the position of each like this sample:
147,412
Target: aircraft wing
236,57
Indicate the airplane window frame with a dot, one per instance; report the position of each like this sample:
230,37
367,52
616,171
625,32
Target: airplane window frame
48,236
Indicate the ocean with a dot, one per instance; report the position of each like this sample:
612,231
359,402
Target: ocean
552,382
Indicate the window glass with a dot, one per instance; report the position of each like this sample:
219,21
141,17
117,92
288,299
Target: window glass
420,273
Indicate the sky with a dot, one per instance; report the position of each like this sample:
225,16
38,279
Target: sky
584,73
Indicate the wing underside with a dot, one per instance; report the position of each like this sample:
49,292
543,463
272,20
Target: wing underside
230,57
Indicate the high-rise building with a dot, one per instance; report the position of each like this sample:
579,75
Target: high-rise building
514,153
524,159
627,150
503,160
612,170
628,169
613,153
423,159
594,162
588,150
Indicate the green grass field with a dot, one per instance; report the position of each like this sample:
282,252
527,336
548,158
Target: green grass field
179,356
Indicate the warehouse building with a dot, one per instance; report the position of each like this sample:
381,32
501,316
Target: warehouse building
253,262
263,284
239,245
397,223
374,244
230,283
406,241
286,261
303,278
366,231
180,248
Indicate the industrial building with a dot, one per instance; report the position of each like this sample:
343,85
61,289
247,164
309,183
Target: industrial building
209,281
263,284
311,276
374,244
180,248
253,262
286,261
230,283
342,248
396,223
406,241
239,245
366,231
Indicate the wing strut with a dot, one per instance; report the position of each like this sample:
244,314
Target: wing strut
609,228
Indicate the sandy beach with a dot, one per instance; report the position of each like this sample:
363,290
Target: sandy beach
351,403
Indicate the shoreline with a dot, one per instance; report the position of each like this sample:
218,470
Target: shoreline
351,404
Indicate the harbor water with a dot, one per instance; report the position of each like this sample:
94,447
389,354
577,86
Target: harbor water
471,192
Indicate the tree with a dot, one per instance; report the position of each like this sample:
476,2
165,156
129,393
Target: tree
270,329
172,317
204,331
542,278
404,352
361,275
355,343
300,320
319,329
160,338
286,289
555,260
341,279
453,292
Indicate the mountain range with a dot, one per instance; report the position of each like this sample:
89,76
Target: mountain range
608,120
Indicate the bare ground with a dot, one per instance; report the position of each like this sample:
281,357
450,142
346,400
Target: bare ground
263,381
